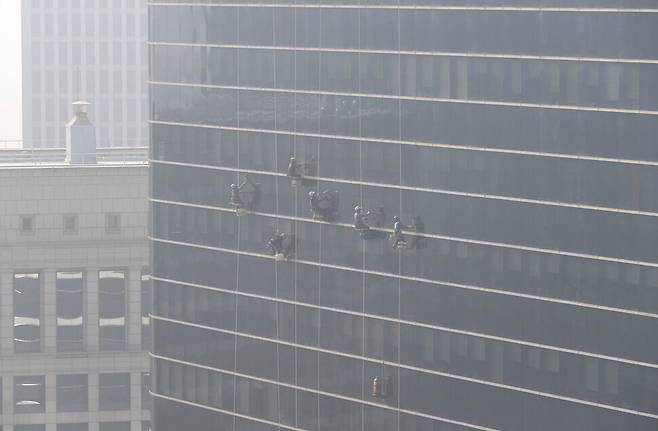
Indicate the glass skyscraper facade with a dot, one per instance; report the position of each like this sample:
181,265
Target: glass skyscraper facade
516,141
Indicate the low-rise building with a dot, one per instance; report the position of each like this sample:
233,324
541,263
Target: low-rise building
74,292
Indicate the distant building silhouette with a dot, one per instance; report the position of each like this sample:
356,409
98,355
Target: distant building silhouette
85,50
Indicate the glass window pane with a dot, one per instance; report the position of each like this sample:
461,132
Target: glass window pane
112,310
73,427
29,394
114,426
146,304
69,291
72,393
114,391
27,313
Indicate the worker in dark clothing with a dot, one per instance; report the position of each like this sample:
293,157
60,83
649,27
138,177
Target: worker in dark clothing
360,223
398,238
314,203
277,244
294,169
236,199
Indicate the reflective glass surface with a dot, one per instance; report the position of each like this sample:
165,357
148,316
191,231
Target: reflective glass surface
112,310
146,304
114,391
72,393
29,394
73,427
70,311
27,313
516,142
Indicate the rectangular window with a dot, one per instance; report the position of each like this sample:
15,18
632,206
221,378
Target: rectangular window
113,223
112,310
76,55
114,391
31,427
114,426
69,300
36,84
116,53
146,395
90,54
147,299
90,84
29,394
592,374
90,25
72,393
27,225
27,313
70,224
73,427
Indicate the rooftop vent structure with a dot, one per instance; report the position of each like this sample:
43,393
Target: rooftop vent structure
80,137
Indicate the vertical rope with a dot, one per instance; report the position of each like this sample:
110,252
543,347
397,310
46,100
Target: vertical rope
363,243
276,264
400,178
321,226
237,285
295,194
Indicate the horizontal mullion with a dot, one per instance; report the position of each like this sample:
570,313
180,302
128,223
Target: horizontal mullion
419,369
417,279
215,409
417,143
319,392
412,98
433,236
412,323
412,278
420,189
419,7
416,53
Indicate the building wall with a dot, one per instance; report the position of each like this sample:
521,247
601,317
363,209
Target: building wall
39,345
520,141
84,49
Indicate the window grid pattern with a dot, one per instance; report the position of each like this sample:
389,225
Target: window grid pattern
529,232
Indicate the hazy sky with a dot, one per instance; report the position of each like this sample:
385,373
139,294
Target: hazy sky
10,70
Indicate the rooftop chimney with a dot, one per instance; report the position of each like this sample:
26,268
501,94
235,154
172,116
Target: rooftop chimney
80,136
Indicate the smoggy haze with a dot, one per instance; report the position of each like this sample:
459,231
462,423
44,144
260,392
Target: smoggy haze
10,70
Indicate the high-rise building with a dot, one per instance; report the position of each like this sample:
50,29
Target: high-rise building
75,292
93,50
516,141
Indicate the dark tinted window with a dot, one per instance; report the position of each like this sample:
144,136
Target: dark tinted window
114,391
27,313
72,393
29,394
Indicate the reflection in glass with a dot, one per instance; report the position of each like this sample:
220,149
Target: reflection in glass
31,427
29,394
414,97
114,391
146,394
73,427
27,313
112,310
72,393
70,322
114,426
147,299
